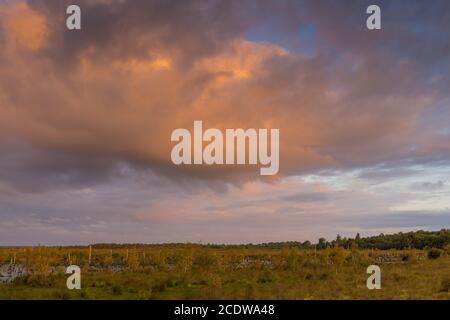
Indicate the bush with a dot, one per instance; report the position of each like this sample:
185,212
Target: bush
39,281
407,257
159,287
447,249
61,294
434,253
445,285
117,290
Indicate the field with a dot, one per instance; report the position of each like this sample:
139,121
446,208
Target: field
205,272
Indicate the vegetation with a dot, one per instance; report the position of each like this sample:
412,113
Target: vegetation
410,240
325,270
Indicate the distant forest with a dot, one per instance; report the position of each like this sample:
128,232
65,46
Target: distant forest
409,240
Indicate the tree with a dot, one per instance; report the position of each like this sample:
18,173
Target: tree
322,243
338,240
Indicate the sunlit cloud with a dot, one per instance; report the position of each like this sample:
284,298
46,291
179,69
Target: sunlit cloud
86,117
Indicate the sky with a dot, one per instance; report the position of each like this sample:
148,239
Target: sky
86,118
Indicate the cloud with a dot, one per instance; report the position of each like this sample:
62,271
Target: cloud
81,109
412,220
140,69
27,29
438,185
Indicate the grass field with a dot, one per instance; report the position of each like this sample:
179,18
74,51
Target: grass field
200,272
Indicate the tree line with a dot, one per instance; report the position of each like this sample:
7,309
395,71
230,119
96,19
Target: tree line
408,240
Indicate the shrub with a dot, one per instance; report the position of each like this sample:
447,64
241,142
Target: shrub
445,285
159,287
434,253
205,260
84,295
264,279
406,257
61,294
39,281
447,249
117,290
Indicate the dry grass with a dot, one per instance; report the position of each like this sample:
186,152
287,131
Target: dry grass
196,272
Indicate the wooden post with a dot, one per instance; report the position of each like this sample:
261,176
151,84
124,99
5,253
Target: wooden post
127,256
70,259
14,261
90,254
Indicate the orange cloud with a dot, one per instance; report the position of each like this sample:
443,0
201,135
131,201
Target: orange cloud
25,27
98,93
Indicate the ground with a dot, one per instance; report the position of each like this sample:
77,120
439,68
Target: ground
196,272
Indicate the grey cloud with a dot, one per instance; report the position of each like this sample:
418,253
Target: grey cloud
407,219
28,169
307,197
438,185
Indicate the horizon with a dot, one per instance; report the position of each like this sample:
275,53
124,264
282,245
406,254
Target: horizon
200,243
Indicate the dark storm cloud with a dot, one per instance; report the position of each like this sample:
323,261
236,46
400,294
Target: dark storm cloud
28,169
132,28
